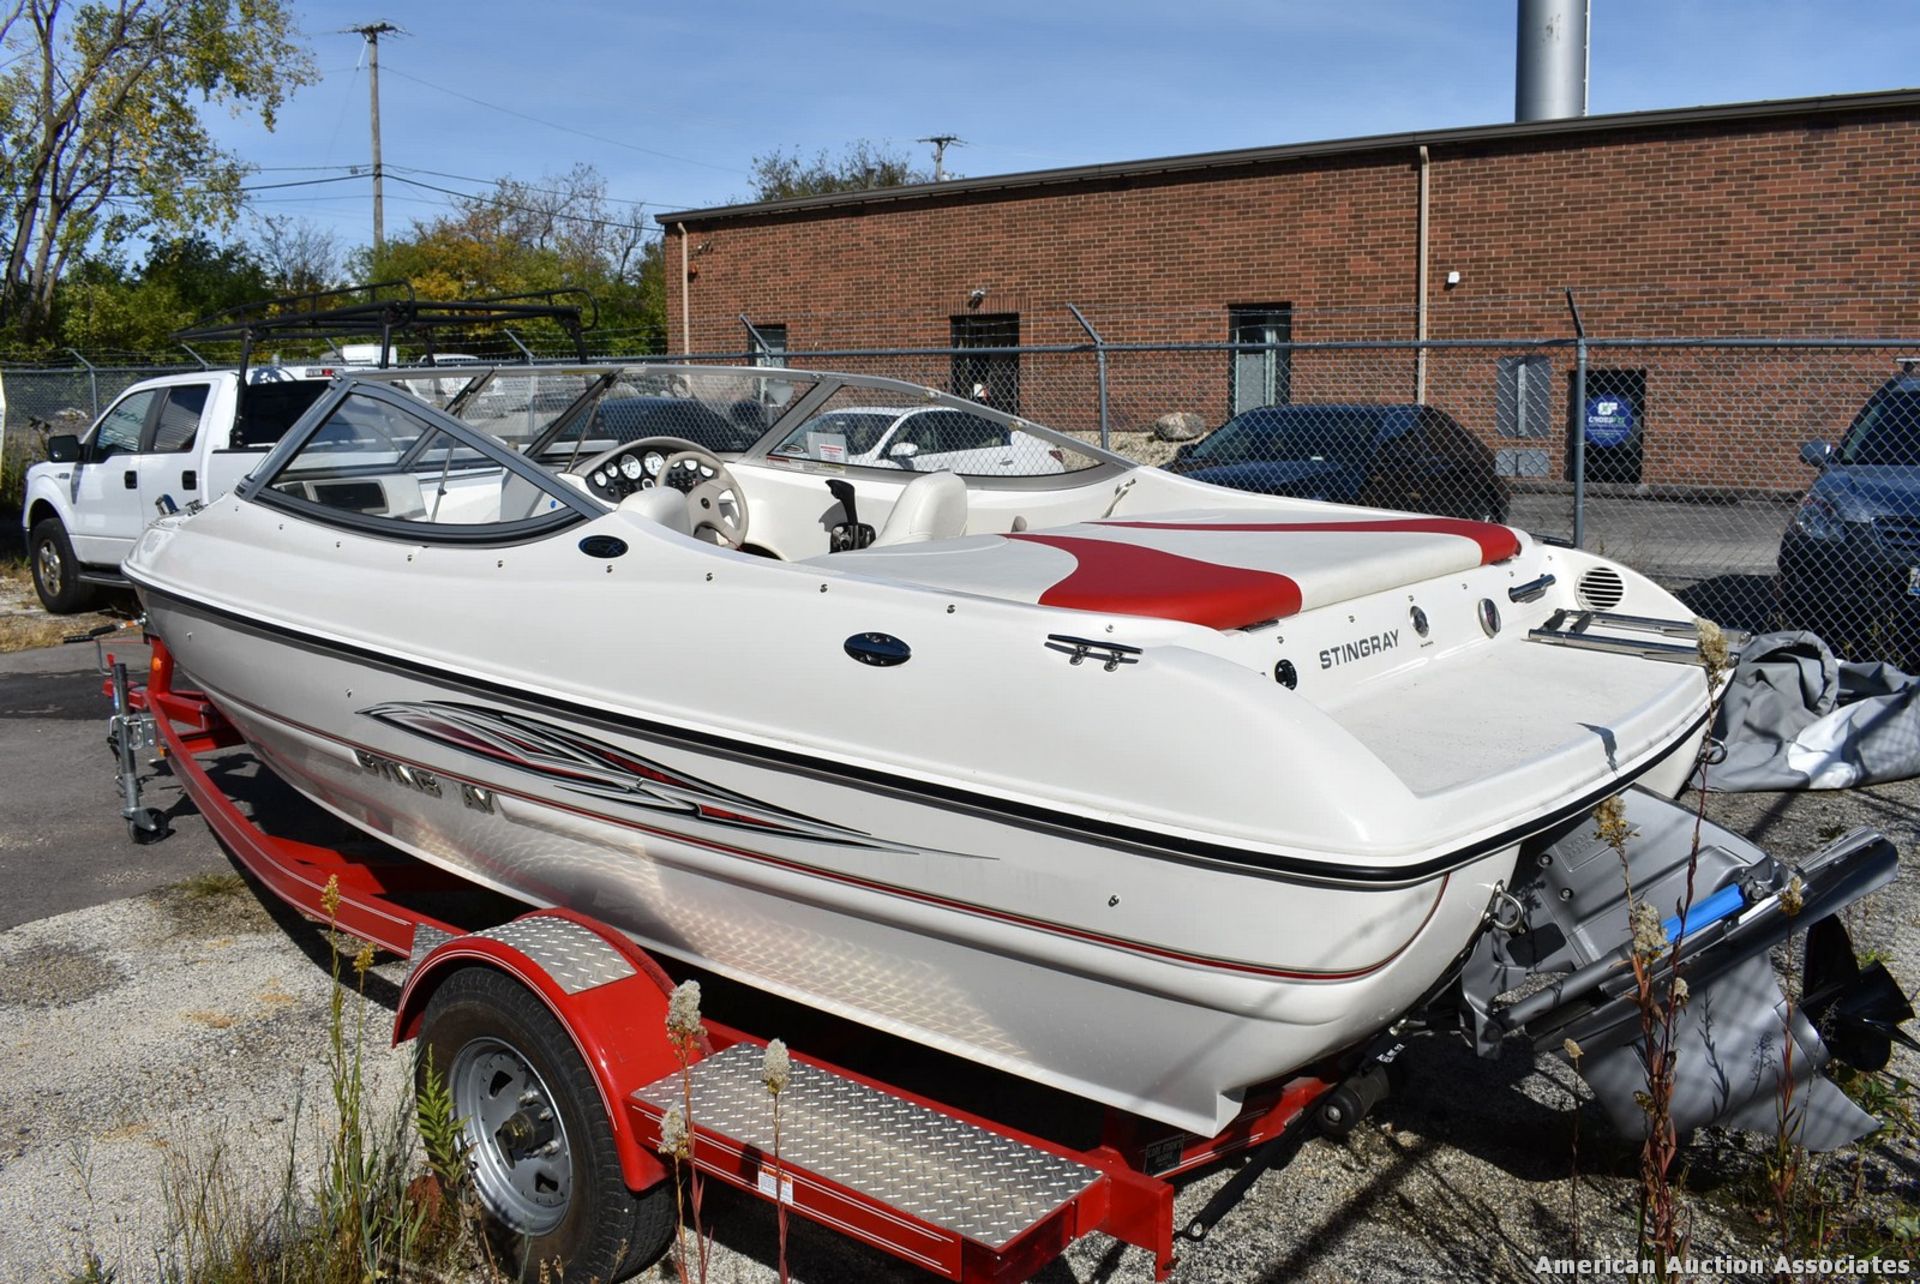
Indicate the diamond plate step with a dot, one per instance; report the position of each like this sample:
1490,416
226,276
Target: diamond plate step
944,1171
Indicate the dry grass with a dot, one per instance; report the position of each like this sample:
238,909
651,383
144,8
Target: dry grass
25,632
23,624
210,886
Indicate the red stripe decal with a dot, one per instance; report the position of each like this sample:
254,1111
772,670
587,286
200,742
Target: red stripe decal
890,889
1497,543
1126,579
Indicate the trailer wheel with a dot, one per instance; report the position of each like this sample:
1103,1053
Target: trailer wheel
541,1146
147,826
56,571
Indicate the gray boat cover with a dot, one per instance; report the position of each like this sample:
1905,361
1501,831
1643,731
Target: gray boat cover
1795,717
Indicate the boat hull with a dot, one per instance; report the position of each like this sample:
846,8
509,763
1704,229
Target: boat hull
1135,978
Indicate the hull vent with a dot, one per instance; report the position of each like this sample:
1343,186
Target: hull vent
1601,589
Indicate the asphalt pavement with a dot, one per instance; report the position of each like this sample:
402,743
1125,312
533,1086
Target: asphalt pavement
63,843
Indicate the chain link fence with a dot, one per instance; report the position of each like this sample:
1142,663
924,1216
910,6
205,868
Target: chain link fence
40,400
1689,461
1768,482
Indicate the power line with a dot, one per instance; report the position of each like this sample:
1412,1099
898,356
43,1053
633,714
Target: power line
346,102
598,138
545,191
642,228
355,172
142,202
298,182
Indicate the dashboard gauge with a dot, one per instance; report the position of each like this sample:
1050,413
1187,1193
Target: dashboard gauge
655,461
630,467
599,478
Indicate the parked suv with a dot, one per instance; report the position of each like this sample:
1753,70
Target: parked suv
1410,457
1850,558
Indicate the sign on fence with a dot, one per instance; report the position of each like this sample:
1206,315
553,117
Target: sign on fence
1609,421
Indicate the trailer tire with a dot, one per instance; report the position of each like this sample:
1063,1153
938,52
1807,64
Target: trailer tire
56,571
483,1028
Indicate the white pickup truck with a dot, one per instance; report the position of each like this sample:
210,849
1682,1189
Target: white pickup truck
165,444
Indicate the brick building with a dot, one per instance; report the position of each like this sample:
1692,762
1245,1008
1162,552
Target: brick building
1796,217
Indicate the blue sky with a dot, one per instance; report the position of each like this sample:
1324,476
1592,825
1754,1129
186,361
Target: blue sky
681,97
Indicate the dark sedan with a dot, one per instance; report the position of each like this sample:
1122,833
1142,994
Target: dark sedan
722,430
1850,558
1409,457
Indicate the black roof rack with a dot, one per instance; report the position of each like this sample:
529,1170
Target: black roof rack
386,309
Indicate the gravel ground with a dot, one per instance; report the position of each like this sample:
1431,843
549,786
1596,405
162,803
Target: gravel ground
150,1030
145,1033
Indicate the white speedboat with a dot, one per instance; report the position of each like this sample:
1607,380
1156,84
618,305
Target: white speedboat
1135,786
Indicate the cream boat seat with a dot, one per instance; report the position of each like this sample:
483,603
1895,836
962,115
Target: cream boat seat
1220,569
931,506
661,504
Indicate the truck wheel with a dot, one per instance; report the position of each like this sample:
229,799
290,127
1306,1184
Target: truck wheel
56,571
540,1145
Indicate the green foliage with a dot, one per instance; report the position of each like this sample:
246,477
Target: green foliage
367,1218
561,231
102,306
1886,1096
862,166
442,1132
101,136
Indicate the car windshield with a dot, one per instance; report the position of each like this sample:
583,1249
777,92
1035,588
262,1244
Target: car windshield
1345,434
862,430
1887,433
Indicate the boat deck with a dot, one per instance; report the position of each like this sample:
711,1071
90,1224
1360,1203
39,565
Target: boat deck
1517,718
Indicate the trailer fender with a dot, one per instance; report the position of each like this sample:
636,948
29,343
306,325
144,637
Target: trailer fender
607,994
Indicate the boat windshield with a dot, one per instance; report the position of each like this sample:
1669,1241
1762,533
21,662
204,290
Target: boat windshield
562,416
859,431
725,411
377,454
873,427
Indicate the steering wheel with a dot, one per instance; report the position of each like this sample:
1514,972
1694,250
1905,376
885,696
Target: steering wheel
715,501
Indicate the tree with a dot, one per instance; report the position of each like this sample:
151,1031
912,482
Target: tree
863,166
100,133
297,256
101,305
560,231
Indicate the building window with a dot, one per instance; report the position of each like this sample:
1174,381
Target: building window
768,343
1615,422
1262,377
1523,407
991,378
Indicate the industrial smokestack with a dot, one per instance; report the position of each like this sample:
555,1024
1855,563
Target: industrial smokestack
1550,71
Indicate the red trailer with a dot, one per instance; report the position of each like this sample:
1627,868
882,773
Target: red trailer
550,1029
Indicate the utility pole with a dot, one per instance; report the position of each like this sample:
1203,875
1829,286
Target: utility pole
940,144
372,33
